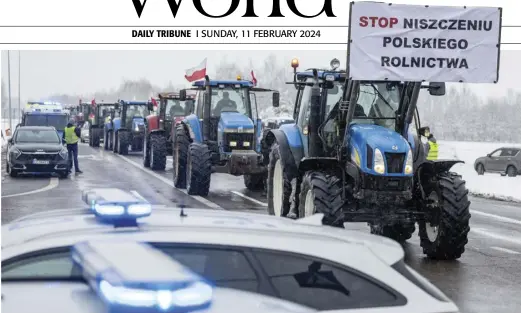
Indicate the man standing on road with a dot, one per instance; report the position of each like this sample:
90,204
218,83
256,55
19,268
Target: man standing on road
431,147
71,137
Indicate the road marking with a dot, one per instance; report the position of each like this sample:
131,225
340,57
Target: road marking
53,183
505,250
249,198
135,193
483,232
497,217
204,201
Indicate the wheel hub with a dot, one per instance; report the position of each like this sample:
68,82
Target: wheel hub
432,218
309,205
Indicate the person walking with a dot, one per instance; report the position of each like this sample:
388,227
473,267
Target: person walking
71,136
431,147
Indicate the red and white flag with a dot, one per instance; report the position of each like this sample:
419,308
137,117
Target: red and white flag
253,79
154,102
93,102
196,73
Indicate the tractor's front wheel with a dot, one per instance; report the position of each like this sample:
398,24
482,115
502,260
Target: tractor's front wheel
198,170
123,142
279,184
400,231
157,152
107,136
322,193
444,231
255,182
180,156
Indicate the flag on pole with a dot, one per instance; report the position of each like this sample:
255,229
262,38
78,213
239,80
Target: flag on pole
253,79
154,102
93,102
196,73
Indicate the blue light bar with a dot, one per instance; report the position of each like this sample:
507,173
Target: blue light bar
131,275
116,206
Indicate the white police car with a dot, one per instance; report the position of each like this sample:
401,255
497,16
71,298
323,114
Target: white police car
240,261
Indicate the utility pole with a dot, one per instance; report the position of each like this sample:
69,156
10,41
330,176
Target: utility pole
19,99
9,88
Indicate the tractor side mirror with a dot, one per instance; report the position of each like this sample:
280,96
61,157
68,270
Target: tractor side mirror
424,131
276,99
150,106
182,95
437,89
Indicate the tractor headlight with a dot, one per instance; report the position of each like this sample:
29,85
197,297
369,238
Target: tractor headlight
233,143
64,153
137,128
355,157
409,163
246,144
379,162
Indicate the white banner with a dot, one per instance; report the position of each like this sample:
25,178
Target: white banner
424,43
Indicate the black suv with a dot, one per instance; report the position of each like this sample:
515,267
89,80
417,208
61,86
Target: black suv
36,150
506,161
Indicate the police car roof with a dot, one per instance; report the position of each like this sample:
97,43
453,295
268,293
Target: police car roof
213,83
309,74
124,102
77,297
203,226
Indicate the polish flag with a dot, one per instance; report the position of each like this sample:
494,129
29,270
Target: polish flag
154,102
253,79
93,102
196,73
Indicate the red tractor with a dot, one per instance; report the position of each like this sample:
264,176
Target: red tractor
159,128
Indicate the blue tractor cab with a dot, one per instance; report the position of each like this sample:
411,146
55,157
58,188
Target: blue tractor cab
222,135
45,114
355,154
97,114
126,126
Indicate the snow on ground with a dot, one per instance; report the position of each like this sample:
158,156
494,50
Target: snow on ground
489,185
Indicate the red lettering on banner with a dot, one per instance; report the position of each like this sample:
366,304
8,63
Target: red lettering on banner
376,21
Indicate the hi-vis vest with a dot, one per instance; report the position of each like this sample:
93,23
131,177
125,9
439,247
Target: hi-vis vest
433,151
70,135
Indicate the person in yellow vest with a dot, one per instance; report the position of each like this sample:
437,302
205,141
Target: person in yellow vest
71,136
431,147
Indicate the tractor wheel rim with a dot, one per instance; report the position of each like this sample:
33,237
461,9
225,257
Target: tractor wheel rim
309,204
433,230
188,171
152,155
278,188
145,149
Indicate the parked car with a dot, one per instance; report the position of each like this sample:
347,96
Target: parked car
85,132
506,161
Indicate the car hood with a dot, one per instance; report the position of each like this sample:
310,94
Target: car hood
33,147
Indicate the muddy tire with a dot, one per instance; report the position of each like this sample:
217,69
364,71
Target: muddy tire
255,182
198,170
480,169
279,184
399,232
107,135
180,156
157,152
146,151
447,239
322,193
511,171
123,142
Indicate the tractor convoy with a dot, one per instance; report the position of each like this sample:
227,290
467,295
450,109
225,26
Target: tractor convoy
352,150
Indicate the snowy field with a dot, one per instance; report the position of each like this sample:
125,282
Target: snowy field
489,185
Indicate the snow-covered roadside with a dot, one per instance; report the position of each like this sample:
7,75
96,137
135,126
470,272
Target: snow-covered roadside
493,186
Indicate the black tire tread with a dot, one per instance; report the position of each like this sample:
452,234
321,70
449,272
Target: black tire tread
158,145
399,232
146,150
454,222
480,169
200,157
513,172
254,182
123,142
327,189
182,141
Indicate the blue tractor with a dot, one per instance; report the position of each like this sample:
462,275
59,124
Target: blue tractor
126,126
355,154
222,135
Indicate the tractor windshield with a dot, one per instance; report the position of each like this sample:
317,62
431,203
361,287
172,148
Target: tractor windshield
137,111
377,104
175,108
230,100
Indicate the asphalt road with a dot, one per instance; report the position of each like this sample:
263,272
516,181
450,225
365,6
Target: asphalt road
485,279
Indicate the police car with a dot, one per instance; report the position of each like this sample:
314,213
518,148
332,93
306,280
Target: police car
112,254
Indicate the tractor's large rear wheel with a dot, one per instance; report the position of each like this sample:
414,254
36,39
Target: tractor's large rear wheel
399,231
123,142
444,232
322,193
107,135
279,184
146,152
157,152
180,156
255,182
198,170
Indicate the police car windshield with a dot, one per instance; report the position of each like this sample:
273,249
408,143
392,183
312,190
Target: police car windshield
58,121
37,136
229,100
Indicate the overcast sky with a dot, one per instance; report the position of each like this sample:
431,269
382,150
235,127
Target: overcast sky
76,72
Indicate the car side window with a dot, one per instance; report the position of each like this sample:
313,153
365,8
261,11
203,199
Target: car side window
515,152
48,265
496,153
506,153
322,286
